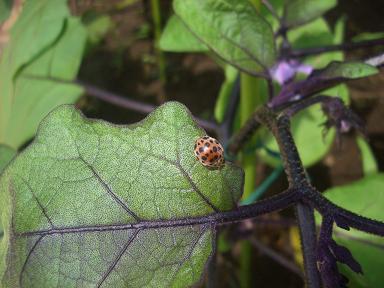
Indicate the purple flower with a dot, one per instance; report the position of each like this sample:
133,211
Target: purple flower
284,71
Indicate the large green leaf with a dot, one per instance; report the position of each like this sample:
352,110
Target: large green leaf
177,38
365,197
298,12
231,28
92,204
45,42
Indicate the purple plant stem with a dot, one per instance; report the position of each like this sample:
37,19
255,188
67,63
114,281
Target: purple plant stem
280,127
306,221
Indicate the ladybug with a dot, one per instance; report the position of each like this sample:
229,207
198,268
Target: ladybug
209,152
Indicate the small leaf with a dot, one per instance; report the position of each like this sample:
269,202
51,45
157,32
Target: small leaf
177,38
55,44
364,197
298,12
345,70
231,28
6,154
91,203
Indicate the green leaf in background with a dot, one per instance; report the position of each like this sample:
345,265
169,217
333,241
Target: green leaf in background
6,154
298,12
97,26
368,160
347,70
310,140
221,105
177,38
364,197
89,203
5,9
368,36
231,28
45,42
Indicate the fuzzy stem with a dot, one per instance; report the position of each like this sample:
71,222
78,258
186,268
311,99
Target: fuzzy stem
294,169
306,221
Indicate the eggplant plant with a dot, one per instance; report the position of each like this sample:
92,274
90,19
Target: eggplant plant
93,204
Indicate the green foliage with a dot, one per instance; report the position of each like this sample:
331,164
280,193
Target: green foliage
368,160
84,204
364,197
6,154
97,26
226,89
231,28
347,70
176,37
298,12
45,42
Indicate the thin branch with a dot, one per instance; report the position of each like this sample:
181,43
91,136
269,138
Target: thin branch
116,99
276,257
244,134
137,106
340,47
134,105
120,100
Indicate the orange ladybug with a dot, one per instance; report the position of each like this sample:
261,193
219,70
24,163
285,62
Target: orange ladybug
209,152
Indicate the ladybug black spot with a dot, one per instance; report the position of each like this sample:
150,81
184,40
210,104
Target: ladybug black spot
204,158
201,149
214,149
211,141
207,144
